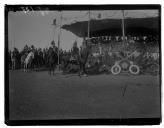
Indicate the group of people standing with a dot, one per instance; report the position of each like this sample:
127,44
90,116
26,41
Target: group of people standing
77,59
17,58
37,58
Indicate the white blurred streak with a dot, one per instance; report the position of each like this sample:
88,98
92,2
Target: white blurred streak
70,17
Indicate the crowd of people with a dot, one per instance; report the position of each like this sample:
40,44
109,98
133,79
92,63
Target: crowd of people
16,58
104,50
150,39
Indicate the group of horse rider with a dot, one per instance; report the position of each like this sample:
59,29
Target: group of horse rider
17,58
31,57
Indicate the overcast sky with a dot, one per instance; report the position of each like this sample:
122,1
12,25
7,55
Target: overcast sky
35,27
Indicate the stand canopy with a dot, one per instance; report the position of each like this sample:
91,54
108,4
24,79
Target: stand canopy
137,22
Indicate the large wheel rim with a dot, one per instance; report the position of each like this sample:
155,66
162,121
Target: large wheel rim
134,69
116,69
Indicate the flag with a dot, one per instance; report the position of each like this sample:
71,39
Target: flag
54,22
99,16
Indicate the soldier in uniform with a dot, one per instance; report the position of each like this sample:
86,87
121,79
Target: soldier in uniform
55,49
75,52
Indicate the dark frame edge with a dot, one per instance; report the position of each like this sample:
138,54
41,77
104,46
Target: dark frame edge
6,73
63,122
135,121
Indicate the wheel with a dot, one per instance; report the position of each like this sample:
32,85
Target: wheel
116,69
134,69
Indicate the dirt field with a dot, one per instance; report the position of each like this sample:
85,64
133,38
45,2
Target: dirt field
36,95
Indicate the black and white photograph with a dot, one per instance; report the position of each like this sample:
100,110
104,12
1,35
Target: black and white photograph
82,64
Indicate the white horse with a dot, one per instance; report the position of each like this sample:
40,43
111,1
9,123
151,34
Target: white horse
28,60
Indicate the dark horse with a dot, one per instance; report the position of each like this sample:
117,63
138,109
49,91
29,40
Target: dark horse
65,60
81,58
52,60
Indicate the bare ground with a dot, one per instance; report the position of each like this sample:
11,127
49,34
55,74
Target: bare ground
36,95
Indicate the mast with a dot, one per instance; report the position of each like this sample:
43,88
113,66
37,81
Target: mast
59,36
55,26
123,26
89,24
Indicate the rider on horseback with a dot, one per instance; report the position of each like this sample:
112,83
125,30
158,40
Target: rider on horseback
55,49
15,58
32,48
52,57
25,49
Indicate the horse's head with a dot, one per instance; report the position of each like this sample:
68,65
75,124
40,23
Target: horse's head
32,54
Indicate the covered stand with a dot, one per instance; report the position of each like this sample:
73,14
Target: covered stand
110,23
117,23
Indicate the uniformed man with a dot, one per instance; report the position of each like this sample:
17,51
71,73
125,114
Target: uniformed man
54,47
75,51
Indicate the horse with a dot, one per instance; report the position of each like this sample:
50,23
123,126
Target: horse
40,58
23,57
65,60
45,58
28,61
9,60
52,60
35,62
14,60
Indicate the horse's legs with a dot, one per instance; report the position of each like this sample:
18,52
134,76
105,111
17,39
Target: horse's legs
21,65
25,67
84,71
14,65
80,70
50,70
32,66
53,70
54,67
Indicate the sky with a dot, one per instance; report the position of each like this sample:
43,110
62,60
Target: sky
35,27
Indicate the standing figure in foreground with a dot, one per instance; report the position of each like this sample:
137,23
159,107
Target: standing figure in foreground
84,54
52,59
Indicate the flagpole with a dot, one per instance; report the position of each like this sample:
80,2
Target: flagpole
89,25
54,24
123,26
59,37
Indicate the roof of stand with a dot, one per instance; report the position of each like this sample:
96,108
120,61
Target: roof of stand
109,22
